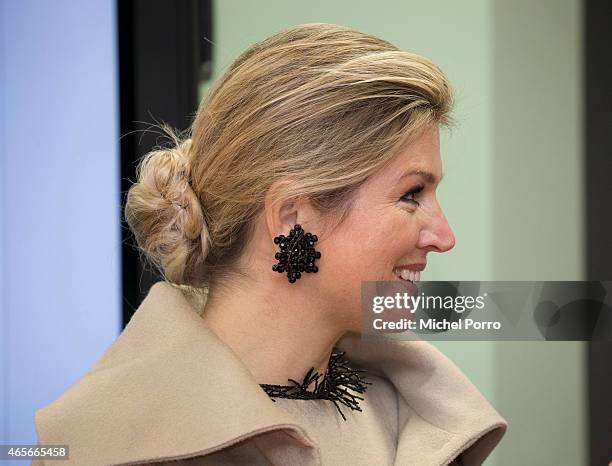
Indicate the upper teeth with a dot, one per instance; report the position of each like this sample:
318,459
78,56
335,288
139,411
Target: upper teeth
405,274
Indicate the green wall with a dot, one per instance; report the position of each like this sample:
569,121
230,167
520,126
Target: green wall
513,185
538,219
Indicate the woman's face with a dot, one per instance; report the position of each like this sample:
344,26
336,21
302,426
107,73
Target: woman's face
395,220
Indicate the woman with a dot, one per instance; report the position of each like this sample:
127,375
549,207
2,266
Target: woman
311,167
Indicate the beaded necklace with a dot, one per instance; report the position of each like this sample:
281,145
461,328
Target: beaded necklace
338,378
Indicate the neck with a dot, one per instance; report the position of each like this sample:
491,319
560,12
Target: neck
278,334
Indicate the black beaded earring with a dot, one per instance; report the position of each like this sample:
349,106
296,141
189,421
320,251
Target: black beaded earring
297,253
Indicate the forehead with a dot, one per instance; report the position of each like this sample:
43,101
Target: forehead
420,158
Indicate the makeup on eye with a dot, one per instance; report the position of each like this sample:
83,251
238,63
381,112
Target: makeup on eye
409,196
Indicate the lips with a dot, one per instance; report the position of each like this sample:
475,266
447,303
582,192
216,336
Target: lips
419,267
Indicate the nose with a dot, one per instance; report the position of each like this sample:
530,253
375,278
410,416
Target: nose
437,234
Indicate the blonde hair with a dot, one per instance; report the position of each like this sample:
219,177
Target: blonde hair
322,105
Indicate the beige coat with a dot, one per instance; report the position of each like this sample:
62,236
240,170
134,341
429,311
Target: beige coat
169,389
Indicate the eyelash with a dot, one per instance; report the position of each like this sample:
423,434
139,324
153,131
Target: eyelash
412,192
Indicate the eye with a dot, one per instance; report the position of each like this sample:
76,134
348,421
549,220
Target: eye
409,196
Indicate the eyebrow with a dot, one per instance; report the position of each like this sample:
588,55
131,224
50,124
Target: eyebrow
426,175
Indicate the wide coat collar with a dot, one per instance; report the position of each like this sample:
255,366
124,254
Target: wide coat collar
168,388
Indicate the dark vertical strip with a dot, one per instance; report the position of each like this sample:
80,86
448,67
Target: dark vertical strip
160,44
129,256
598,114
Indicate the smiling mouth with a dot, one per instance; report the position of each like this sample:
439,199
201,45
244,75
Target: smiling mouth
413,276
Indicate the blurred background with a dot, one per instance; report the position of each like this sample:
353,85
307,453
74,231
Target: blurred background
526,185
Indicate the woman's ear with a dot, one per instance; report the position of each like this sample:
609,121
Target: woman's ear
281,213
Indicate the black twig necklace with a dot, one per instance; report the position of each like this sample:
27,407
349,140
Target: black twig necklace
338,378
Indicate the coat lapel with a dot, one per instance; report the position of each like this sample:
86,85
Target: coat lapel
168,388
441,413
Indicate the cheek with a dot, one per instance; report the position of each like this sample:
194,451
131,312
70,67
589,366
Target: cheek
394,242
349,251
368,245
